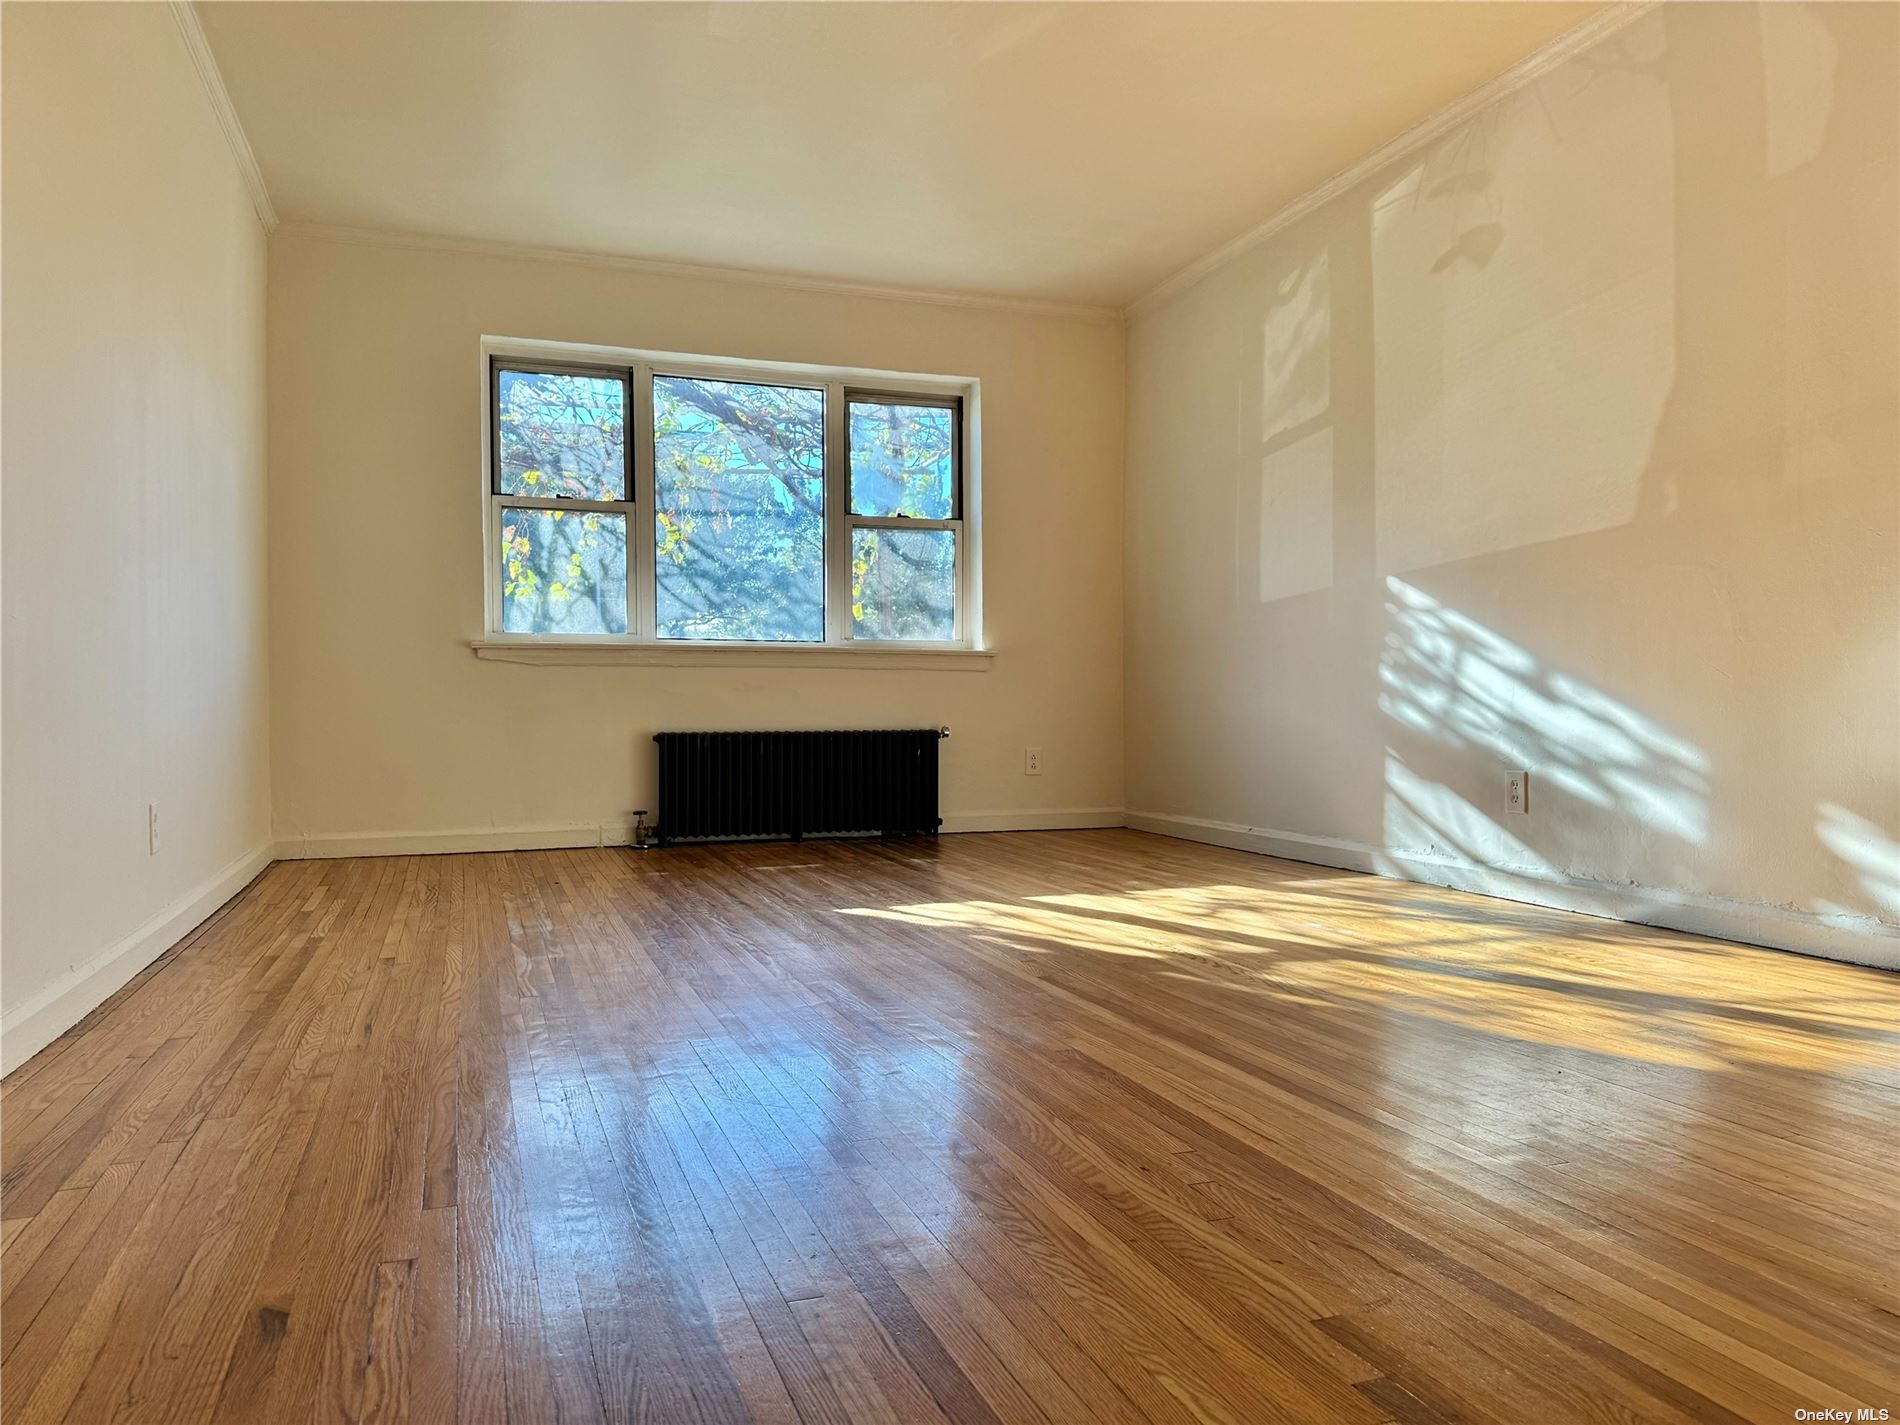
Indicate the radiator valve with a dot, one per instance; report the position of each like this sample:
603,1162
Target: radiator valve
642,833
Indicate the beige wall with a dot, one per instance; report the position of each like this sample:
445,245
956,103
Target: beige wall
134,508
1568,443
388,732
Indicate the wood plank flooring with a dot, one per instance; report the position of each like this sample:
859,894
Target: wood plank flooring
1048,1127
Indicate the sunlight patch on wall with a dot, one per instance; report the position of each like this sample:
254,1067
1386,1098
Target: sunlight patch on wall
1465,688
1798,61
1524,301
1871,854
1295,518
1296,350
1284,523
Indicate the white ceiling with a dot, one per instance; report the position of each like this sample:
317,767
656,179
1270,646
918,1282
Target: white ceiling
1067,152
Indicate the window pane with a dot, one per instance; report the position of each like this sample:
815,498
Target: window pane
563,571
562,437
739,517
904,583
903,460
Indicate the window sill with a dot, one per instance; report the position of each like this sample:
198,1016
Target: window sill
545,652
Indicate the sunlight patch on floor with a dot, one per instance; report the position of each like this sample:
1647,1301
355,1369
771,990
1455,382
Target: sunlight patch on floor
1363,945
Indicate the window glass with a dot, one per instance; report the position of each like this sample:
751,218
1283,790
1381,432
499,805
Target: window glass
739,510
561,436
563,571
903,460
903,583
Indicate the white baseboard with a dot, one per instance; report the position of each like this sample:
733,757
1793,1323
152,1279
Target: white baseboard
1860,940
1067,819
32,1026
551,837
565,835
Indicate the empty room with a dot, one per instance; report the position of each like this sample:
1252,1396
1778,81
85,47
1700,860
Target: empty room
1002,713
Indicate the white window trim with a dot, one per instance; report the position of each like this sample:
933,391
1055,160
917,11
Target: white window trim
640,645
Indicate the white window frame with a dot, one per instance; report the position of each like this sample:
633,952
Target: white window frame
853,522
840,385
498,502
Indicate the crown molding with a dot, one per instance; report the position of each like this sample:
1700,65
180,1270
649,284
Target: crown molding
212,79
1572,42
478,247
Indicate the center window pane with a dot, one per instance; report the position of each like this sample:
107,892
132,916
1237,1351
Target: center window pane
739,510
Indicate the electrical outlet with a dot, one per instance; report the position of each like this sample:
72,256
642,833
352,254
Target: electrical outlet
1032,761
151,829
1517,793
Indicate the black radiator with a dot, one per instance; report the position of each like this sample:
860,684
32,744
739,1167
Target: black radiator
725,785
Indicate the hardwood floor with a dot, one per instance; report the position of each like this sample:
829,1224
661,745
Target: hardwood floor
1064,1127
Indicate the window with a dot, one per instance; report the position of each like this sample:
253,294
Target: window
562,485
904,517
684,502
